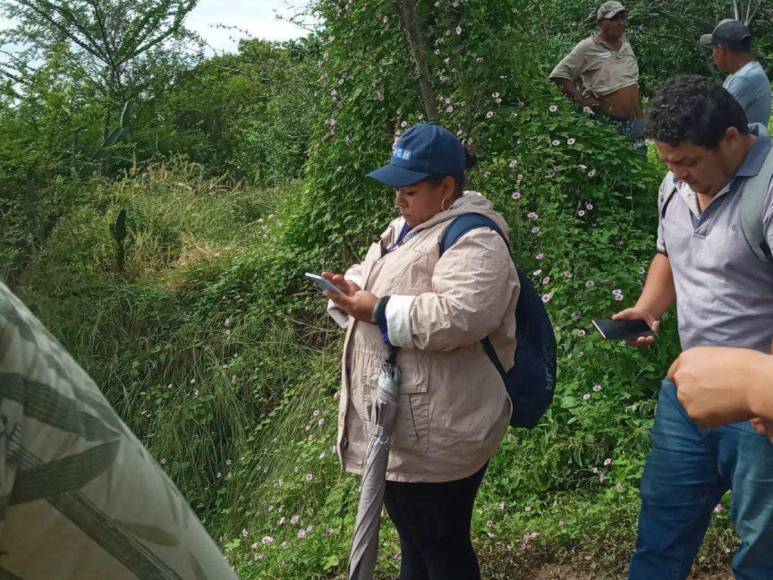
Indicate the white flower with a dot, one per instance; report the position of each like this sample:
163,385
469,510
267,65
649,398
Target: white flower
586,396
553,108
555,142
449,109
245,533
267,540
597,388
516,195
581,213
458,30
513,163
301,534
489,114
592,173
571,141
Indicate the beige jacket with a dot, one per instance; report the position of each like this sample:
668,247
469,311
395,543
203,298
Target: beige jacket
454,409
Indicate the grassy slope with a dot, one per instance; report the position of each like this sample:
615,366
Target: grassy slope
226,366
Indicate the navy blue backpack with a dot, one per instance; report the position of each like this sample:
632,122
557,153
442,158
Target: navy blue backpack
531,382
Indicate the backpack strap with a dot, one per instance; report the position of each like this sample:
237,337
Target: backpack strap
464,223
459,226
752,207
665,199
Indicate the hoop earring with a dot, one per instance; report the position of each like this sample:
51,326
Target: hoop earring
445,199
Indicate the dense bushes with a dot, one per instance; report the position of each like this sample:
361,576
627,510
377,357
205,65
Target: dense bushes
217,353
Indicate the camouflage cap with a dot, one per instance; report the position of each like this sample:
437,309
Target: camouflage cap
609,9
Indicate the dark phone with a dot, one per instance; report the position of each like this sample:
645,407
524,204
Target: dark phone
622,329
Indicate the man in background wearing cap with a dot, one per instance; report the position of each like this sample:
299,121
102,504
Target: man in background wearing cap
606,67
731,48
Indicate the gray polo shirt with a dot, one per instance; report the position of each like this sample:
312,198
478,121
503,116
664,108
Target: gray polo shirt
724,294
751,88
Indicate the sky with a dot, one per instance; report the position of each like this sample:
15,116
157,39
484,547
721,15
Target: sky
258,17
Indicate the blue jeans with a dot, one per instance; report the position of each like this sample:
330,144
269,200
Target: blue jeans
688,471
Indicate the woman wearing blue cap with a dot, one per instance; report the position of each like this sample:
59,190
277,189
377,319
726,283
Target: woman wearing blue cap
454,409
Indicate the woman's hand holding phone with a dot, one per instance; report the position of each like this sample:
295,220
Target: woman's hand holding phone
344,285
354,301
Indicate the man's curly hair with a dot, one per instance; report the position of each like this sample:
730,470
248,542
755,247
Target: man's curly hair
694,109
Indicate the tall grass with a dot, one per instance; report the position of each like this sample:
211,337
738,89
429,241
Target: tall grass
222,360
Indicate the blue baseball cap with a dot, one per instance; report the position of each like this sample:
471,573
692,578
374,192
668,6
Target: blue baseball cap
422,151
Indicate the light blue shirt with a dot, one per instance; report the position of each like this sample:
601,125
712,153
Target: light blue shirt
751,88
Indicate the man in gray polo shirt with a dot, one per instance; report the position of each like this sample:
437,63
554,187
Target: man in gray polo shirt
731,48
724,295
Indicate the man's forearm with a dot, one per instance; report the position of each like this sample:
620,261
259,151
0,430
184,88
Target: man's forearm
659,292
760,394
570,90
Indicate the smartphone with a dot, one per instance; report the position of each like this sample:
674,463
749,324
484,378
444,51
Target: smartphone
323,284
622,329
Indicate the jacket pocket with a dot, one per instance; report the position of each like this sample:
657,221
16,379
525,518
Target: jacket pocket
411,430
413,365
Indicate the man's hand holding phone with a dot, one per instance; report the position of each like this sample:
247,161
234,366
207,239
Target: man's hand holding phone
640,314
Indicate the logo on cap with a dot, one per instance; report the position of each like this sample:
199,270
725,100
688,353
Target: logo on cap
401,153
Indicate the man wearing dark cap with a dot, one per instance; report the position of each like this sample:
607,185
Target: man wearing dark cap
731,48
602,73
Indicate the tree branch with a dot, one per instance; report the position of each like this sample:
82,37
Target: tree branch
415,41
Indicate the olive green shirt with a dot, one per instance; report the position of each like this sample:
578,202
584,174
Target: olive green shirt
598,68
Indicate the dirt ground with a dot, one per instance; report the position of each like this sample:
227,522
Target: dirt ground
561,572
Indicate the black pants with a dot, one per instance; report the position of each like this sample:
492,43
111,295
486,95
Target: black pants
433,520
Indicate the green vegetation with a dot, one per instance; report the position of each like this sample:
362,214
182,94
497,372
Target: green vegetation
168,259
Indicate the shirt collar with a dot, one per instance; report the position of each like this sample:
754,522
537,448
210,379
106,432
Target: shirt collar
597,38
746,68
752,165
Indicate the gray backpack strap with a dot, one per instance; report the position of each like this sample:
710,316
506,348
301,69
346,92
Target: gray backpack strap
752,207
668,189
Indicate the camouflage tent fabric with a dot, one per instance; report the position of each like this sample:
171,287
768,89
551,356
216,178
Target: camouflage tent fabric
80,497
